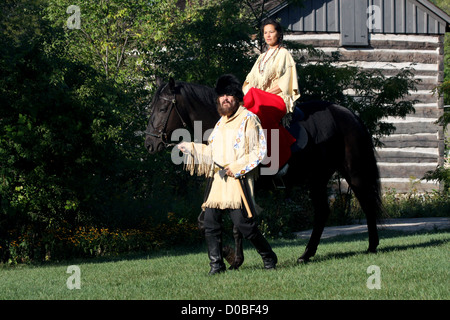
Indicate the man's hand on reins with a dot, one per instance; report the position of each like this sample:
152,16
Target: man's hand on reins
182,146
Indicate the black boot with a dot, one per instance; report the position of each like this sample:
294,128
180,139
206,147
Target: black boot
265,250
215,254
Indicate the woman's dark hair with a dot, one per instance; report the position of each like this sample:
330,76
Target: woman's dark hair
277,26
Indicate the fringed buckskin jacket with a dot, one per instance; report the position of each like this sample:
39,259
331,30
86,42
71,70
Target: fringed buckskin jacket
275,67
237,142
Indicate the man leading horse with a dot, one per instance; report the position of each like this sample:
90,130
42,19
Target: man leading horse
237,145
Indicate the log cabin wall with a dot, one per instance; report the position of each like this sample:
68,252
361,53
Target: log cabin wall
387,35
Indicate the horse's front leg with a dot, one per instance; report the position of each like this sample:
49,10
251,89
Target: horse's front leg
319,198
239,253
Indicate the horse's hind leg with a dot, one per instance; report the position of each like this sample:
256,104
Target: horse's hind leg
361,172
373,234
366,190
321,212
239,254
370,204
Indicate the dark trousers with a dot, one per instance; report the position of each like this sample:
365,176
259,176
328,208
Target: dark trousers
213,222
248,228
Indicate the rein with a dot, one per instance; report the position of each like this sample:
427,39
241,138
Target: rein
162,133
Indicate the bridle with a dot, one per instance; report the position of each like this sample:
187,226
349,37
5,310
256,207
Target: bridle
162,133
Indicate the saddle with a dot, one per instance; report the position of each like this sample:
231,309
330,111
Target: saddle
310,121
313,121
298,131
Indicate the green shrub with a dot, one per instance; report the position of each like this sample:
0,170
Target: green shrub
30,244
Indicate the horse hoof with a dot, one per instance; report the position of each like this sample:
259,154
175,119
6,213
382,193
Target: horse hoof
302,260
229,255
235,264
371,250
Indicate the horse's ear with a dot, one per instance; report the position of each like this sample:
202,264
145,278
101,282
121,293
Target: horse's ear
172,85
159,82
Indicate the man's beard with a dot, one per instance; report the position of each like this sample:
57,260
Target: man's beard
227,110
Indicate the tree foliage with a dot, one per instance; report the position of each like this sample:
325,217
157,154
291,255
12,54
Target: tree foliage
67,142
74,102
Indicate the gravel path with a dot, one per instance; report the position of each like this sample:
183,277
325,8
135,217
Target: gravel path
408,224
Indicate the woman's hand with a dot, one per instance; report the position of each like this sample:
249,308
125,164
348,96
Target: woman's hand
275,90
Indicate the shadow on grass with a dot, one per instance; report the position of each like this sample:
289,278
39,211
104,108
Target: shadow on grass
384,234
298,246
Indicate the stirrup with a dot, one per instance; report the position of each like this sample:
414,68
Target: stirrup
278,183
277,179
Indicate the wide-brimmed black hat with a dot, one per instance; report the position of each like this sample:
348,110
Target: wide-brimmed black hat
228,84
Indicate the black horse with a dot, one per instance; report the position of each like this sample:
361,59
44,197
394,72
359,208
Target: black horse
336,141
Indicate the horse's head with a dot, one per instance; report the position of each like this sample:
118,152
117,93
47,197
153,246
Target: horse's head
164,118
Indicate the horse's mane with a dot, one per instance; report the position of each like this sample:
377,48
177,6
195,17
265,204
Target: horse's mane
198,94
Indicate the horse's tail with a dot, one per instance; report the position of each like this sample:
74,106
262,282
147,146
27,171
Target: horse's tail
374,181
361,168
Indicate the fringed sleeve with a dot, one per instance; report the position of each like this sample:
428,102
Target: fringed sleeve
198,159
287,81
256,147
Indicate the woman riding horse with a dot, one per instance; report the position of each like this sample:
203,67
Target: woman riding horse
271,89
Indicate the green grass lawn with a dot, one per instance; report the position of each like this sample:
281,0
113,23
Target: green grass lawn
412,266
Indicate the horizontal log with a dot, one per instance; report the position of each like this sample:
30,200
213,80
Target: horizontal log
402,185
426,112
405,171
383,65
430,57
401,157
409,186
407,141
422,97
417,127
389,70
392,44
320,43
426,84
375,44
380,56
417,73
